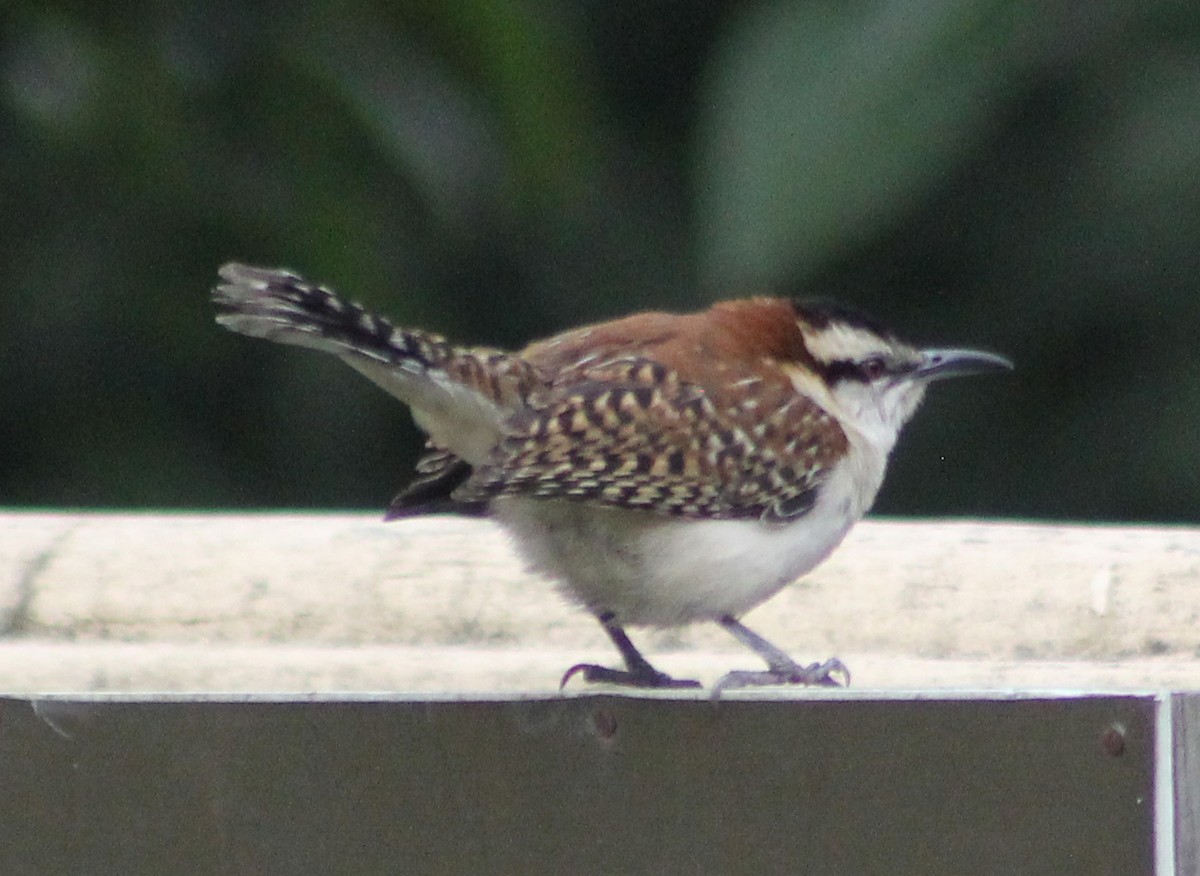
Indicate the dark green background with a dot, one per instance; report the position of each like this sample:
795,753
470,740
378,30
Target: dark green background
1020,176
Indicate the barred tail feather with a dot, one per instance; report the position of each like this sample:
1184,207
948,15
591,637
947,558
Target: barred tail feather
460,397
280,306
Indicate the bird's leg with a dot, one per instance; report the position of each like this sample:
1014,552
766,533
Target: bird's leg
782,669
638,671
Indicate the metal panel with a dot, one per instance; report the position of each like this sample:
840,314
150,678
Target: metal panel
587,784
1185,743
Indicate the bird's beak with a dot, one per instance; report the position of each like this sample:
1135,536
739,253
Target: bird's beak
939,364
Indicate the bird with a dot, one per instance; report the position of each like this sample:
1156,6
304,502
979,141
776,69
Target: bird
661,469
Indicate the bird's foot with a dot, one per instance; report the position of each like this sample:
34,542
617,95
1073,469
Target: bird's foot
814,675
648,677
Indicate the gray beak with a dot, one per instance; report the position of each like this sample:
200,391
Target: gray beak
939,364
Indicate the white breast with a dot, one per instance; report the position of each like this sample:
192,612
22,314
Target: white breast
648,569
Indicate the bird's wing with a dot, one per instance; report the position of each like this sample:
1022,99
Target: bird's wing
438,473
630,433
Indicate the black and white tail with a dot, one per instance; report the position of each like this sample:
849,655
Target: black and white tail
461,397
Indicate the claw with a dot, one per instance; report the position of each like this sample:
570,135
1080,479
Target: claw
575,670
814,675
651,678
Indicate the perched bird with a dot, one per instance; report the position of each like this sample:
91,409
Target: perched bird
662,469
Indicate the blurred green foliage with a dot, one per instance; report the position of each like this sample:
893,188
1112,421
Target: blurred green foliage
1021,176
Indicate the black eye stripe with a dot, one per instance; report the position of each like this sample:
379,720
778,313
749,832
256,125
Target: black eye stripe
864,372
844,369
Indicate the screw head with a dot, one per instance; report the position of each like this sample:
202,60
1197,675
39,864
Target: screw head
1112,740
604,723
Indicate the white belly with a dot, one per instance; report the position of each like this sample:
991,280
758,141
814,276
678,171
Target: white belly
649,569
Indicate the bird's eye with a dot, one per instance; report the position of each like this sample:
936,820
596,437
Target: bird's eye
874,368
